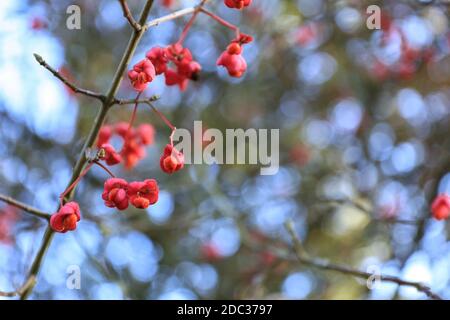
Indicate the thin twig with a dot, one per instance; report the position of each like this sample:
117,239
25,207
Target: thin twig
31,210
174,15
133,117
104,168
62,196
190,23
221,21
133,101
127,14
30,282
74,88
325,265
163,117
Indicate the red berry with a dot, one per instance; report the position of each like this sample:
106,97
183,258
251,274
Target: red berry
234,63
111,156
171,160
441,207
158,57
143,193
141,74
115,193
66,218
234,48
237,4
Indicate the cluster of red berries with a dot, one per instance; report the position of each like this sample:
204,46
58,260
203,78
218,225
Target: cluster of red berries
118,193
156,63
134,142
179,67
441,207
177,63
183,69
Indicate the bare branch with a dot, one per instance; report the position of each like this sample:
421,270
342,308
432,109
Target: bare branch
9,294
58,75
175,15
133,101
325,265
98,122
25,207
29,283
127,14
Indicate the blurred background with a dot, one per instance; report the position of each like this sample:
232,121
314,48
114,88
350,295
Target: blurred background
364,148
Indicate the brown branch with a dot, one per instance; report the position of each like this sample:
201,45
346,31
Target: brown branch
31,210
127,14
108,101
133,101
325,265
74,88
175,15
29,283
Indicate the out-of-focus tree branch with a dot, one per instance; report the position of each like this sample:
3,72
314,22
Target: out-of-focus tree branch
390,220
303,258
